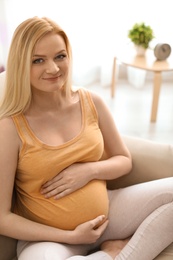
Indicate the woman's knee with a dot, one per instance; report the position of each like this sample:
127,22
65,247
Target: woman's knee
46,251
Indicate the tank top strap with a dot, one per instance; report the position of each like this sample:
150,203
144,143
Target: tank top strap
87,104
22,128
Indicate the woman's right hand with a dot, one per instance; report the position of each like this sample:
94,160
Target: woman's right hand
90,231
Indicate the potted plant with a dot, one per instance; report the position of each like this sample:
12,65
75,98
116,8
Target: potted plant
141,35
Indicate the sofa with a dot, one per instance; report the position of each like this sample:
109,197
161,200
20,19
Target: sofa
151,161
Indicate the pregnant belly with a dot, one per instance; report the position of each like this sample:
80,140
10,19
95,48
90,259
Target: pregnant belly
70,211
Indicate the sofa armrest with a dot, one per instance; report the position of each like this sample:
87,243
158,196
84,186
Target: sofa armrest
151,161
7,248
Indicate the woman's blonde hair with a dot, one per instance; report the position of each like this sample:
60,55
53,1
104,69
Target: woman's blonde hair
17,95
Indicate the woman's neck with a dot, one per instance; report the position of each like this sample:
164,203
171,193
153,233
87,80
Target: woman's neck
47,102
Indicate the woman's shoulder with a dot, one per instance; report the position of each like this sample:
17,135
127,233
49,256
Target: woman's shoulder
8,134
96,98
7,126
6,121
98,101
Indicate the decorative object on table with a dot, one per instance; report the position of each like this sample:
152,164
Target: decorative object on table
141,35
162,51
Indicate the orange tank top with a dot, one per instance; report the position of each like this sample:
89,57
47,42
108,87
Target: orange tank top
39,162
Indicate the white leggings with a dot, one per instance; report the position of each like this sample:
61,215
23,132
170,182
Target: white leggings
143,211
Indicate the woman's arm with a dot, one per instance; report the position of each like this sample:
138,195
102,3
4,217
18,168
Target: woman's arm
116,162
18,227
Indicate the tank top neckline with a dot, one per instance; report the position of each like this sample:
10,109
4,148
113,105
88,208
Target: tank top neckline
73,140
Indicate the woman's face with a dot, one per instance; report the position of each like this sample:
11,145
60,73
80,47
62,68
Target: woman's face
50,64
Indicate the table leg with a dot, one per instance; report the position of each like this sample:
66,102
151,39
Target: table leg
156,92
113,78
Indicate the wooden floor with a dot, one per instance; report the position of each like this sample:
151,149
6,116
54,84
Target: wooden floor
131,108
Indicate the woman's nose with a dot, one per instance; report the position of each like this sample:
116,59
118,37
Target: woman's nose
52,67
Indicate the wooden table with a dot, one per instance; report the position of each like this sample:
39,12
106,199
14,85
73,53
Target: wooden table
147,62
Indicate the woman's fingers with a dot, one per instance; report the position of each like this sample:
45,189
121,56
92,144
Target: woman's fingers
97,221
90,231
52,191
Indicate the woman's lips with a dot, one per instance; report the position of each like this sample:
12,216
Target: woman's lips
52,78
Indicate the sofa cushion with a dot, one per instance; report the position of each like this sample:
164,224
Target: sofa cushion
7,248
151,161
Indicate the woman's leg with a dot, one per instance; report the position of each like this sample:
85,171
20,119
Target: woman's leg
48,250
145,210
99,255
152,237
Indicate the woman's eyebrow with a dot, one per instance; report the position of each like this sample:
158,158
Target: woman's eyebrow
42,55
39,55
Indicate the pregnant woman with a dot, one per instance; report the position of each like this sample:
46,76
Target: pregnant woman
58,146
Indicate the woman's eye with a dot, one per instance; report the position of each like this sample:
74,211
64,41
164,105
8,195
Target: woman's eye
37,61
60,56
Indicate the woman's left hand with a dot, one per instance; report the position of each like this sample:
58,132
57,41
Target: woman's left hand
69,180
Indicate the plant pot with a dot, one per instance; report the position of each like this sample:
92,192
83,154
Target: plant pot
140,51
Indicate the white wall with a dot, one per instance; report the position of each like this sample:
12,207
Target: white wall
4,41
96,28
